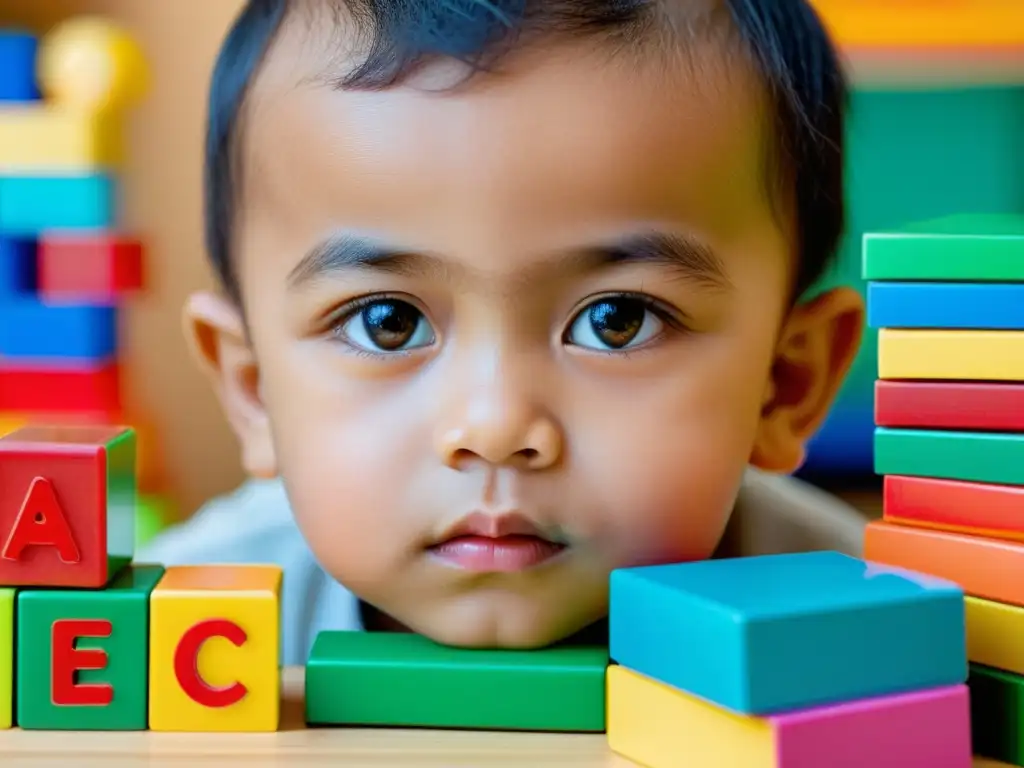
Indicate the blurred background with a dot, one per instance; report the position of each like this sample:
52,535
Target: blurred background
937,127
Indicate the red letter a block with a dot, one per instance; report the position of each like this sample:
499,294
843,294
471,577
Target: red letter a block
67,505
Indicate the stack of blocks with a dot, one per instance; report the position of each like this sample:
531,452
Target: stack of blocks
65,269
948,300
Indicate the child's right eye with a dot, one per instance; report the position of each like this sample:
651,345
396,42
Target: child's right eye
383,325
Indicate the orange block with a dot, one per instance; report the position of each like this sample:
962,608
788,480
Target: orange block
987,568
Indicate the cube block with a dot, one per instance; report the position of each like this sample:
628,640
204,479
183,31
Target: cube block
47,138
56,389
30,205
7,643
18,52
89,267
34,332
18,258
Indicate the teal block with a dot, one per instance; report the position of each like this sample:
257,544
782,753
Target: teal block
30,205
767,634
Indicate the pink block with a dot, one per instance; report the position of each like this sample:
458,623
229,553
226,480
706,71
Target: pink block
925,729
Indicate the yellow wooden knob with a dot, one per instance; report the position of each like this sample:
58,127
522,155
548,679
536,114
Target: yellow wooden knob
90,63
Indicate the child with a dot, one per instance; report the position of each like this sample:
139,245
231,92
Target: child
512,297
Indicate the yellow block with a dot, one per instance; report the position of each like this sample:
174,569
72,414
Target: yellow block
653,724
214,649
995,634
6,656
959,355
43,138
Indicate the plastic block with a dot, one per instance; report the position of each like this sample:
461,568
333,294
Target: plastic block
994,632
30,205
397,679
971,248
965,405
980,508
18,52
44,138
653,724
997,714
746,633
17,267
68,508
984,457
6,658
153,514
987,568
11,422
83,655
55,390
88,268
37,332
214,649
977,306
960,355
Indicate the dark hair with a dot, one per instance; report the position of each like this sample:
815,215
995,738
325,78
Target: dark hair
784,38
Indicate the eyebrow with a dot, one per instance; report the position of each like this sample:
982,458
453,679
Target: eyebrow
688,258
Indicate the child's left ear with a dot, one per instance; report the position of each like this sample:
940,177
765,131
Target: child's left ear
816,348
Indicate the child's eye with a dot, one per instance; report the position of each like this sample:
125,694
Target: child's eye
386,325
614,323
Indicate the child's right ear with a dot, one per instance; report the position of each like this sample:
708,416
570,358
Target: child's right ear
216,330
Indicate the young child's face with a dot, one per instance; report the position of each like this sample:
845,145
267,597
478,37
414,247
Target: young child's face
509,337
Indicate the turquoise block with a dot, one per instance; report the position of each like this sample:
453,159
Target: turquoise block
32,204
767,634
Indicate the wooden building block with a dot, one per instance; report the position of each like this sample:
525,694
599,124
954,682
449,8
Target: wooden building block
6,658
746,633
958,355
83,655
995,634
997,714
47,138
958,405
68,508
57,389
89,267
214,649
399,679
983,457
30,205
988,568
951,306
982,509
32,332
654,724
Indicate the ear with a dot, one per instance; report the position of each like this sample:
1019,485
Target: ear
220,344
816,348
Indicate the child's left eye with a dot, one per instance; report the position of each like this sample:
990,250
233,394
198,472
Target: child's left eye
615,323
386,325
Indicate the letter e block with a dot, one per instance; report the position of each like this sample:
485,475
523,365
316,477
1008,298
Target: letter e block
67,505
214,649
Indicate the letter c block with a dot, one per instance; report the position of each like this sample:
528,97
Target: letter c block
215,649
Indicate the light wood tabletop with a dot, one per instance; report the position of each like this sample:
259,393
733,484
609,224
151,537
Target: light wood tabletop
299,746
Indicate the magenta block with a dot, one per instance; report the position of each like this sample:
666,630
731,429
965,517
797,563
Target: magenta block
925,729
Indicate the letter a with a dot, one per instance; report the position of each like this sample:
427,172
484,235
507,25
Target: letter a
41,522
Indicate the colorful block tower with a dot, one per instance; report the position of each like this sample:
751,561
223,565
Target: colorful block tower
947,298
65,267
787,661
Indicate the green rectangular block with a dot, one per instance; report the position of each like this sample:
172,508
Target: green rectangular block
997,714
399,679
41,614
984,457
971,248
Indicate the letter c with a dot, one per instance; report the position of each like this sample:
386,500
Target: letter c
186,663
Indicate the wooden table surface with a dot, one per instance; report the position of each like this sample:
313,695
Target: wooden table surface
296,745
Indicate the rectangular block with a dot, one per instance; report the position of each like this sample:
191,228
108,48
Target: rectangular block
746,633
995,634
68,508
975,306
971,248
215,637
997,714
6,658
30,205
33,331
18,51
956,405
17,267
960,355
45,138
397,679
60,389
983,509
653,724
983,457
82,655
89,267
987,568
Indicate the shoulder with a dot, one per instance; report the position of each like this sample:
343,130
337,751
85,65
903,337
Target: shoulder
776,514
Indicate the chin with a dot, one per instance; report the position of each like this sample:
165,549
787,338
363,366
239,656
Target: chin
494,628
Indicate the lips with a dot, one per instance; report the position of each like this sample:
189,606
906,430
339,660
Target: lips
502,543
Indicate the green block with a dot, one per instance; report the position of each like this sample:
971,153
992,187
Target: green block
152,514
399,679
984,457
956,248
997,714
122,490
6,658
125,604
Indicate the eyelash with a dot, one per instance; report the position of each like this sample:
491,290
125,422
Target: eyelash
337,320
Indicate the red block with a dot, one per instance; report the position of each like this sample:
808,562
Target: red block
85,267
982,509
950,405
67,505
60,390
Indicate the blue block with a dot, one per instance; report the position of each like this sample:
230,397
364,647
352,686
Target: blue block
30,205
767,634
33,331
993,306
18,66
17,267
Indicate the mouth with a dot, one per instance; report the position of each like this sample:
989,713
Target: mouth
495,543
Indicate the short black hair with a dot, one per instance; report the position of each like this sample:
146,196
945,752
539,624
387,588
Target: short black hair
785,39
